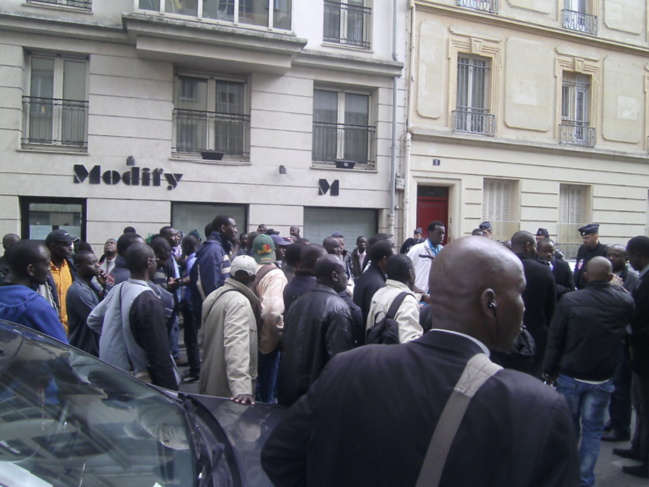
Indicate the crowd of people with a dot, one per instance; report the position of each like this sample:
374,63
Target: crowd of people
267,318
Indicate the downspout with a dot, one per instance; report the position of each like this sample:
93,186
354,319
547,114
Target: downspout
393,147
410,88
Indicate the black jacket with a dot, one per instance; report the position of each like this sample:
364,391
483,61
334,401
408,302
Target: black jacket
586,332
540,298
371,281
563,277
639,339
316,327
584,254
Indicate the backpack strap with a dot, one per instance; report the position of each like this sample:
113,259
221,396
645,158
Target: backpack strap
478,370
396,304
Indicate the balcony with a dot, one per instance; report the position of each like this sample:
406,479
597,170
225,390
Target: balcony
336,141
81,4
198,131
474,121
347,24
490,6
55,122
577,133
580,22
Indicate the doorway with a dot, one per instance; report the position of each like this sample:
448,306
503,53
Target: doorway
432,204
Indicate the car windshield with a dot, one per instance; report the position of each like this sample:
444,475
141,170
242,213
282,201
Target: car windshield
68,419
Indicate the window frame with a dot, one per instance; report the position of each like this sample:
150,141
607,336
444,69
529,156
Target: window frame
346,11
57,105
504,225
568,222
82,5
340,141
469,118
576,109
211,113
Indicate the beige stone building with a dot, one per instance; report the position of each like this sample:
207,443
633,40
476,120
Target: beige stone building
150,112
528,113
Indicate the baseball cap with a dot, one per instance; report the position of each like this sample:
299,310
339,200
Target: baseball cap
59,236
543,232
263,250
277,240
243,263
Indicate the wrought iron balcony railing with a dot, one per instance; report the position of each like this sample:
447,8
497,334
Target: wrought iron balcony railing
490,6
198,131
577,133
580,22
338,141
474,120
57,122
84,4
347,24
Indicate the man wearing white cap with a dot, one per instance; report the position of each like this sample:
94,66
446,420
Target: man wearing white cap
229,336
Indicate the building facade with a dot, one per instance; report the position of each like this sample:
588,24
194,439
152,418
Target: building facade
528,113
156,112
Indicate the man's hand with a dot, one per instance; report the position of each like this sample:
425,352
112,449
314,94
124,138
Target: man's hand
617,280
245,399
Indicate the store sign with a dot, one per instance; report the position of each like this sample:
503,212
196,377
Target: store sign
134,176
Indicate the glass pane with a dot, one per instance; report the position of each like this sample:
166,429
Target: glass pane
355,23
191,93
42,82
182,7
282,14
356,109
45,217
218,9
325,106
229,97
74,80
253,12
462,82
149,5
332,21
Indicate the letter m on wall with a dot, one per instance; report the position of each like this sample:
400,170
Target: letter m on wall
324,187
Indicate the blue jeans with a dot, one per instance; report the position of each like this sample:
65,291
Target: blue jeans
588,404
268,368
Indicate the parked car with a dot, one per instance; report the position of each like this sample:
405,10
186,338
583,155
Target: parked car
69,419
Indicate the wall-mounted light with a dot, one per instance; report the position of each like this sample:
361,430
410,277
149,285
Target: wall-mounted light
282,169
130,161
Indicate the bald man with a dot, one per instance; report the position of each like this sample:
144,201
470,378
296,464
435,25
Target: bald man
369,418
582,353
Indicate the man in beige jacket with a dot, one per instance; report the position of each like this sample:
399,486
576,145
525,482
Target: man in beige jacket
229,336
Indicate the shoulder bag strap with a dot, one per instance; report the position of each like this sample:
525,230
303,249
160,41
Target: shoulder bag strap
477,371
396,304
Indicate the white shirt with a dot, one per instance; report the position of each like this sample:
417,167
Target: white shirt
422,256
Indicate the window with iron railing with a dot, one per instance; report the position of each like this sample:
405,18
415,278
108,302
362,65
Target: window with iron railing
472,112
575,126
576,16
82,4
490,6
274,14
347,22
211,115
56,111
341,129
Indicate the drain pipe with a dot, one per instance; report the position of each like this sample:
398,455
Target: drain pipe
393,147
407,192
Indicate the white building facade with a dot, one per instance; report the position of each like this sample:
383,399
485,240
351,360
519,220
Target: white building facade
156,112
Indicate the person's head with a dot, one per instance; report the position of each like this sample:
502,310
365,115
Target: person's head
487,229
29,262
590,235
332,246
399,267
309,256
361,244
616,254
545,249
141,261
262,228
243,269
129,230
110,247
280,246
378,237
59,243
524,243
330,271
380,251
126,240
542,233
341,239
263,249
161,249
208,230
243,241
417,233
295,231
78,246
436,232
171,234
598,269
477,232
9,239
475,288
227,226
189,245
637,249
86,264
292,255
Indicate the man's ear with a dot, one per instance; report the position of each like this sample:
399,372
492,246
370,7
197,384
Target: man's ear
487,300
30,270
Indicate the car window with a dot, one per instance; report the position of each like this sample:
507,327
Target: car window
68,419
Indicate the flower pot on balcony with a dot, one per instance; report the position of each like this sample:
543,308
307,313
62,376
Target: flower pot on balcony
212,155
344,164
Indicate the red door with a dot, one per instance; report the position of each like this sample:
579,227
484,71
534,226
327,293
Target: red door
432,204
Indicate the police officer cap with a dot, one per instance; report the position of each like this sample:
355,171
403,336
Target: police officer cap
543,232
590,229
485,226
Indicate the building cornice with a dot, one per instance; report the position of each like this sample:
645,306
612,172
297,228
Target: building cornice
349,63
